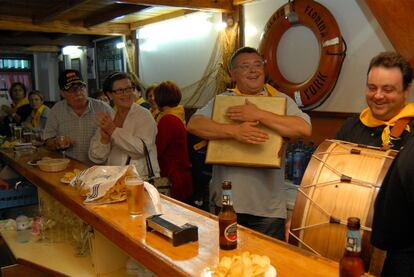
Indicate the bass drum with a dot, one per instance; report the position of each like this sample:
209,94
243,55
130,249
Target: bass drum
312,92
341,180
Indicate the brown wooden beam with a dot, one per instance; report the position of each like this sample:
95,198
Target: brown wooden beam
111,12
28,38
159,18
212,5
24,49
57,10
242,2
23,24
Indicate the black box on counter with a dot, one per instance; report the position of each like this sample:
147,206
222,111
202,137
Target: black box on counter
179,233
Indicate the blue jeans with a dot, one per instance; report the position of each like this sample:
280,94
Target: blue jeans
271,226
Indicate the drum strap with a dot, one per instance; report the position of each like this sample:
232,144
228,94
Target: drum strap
397,130
399,127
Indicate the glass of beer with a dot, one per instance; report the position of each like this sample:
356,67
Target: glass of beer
18,130
135,195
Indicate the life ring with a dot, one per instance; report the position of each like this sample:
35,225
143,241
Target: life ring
314,91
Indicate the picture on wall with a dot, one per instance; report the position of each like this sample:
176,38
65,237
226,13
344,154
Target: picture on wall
75,64
90,56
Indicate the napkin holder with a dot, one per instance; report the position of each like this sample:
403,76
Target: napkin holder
178,234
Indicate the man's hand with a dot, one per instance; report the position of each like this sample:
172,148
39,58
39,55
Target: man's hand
246,112
247,132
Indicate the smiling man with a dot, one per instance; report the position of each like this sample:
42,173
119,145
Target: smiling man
258,193
73,117
388,83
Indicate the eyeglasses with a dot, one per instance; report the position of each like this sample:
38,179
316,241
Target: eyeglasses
124,90
255,66
76,88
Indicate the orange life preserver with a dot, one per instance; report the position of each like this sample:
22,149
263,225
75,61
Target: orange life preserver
312,92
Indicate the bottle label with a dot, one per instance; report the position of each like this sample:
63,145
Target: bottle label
227,198
230,233
353,241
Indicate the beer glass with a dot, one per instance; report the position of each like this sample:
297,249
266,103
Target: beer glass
135,195
18,130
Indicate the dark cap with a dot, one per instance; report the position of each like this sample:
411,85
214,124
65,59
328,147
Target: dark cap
70,77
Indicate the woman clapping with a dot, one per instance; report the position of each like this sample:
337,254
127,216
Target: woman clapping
121,137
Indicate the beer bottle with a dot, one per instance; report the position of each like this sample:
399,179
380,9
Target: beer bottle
351,263
227,220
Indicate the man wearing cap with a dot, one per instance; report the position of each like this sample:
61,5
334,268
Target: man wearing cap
73,117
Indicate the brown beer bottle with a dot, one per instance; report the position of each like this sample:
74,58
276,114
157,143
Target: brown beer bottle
351,264
227,220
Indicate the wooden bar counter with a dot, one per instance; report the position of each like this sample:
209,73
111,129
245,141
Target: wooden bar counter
153,250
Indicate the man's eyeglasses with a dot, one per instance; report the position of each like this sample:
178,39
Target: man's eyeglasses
254,66
76,88
123,90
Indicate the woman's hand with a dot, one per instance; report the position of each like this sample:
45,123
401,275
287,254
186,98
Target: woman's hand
105,137
7,109
105,122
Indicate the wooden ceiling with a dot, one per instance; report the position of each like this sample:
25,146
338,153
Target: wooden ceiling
27,24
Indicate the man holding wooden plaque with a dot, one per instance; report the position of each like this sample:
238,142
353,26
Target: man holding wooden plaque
258,190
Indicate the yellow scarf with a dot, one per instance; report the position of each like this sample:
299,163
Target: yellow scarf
369,120
36,114
270,91
140,100
22,102
178,111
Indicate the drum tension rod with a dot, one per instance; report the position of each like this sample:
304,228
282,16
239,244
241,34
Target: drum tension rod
355,151
346,179
334,220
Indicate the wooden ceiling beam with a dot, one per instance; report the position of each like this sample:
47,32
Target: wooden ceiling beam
58,9
42,39
154,19
111,12
211,5
242,2
34,48
24,24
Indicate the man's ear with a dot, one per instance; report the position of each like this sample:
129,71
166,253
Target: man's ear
61,93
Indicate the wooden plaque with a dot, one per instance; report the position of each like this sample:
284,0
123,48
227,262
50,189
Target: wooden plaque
233,152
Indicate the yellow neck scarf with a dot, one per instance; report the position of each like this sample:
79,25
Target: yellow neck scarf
140,100
36,115
369,120
22,102
270,91
177,111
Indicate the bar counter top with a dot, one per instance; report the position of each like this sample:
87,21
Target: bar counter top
152,249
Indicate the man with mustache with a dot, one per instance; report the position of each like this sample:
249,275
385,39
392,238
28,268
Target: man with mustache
73,117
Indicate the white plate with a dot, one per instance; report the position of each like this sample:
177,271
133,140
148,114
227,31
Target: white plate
33,162
271,272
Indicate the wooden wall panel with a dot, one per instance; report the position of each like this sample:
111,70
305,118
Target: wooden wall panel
397,21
